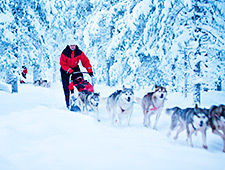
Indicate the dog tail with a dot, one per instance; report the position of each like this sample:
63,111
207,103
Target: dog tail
170,111
138,100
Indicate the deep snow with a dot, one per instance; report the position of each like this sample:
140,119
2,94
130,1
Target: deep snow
37,132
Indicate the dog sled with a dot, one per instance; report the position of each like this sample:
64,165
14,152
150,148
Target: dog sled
78,85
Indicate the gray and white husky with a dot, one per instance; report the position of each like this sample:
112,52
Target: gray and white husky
119,104
153,103
192,119
89,100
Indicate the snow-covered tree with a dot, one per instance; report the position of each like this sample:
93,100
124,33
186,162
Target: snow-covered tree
175,43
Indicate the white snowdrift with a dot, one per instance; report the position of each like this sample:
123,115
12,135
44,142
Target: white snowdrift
38,133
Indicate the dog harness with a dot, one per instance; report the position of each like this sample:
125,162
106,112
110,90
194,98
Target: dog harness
156,108
122,109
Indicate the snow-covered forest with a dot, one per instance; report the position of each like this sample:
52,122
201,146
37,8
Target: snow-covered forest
178,43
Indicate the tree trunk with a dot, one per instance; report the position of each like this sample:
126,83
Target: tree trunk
197,93
185,84
111,31
54,72
219,84
36,72
14,84
108,77
12,78
197,86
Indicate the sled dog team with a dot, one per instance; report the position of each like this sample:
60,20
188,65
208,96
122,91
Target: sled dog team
197,119
120,104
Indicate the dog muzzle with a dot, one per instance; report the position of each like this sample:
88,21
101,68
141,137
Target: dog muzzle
201,123
128,99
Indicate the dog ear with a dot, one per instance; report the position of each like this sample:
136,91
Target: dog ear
123,87
196,107
156,87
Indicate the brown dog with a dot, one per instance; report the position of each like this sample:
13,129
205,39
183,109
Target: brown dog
217,121
153,103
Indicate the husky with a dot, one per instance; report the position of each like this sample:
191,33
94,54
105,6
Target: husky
217,121
120,103
191,119
42,83
89,100
175,113
153,103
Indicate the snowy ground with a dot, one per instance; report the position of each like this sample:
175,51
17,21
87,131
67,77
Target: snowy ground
38,133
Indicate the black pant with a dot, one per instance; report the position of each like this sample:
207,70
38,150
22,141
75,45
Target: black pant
65,82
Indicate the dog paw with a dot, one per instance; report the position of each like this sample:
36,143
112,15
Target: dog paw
168,135
205,147
175,137
146,126
154,128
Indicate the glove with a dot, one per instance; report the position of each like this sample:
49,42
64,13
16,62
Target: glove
91,74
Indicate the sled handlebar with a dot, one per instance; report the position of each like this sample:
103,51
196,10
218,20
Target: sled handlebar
77,72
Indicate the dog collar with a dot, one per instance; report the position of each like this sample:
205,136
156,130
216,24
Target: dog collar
122,109
193,126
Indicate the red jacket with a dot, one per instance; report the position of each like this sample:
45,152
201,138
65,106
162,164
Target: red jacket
69,59
24,70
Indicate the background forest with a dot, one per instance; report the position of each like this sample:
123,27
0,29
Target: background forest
176,43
